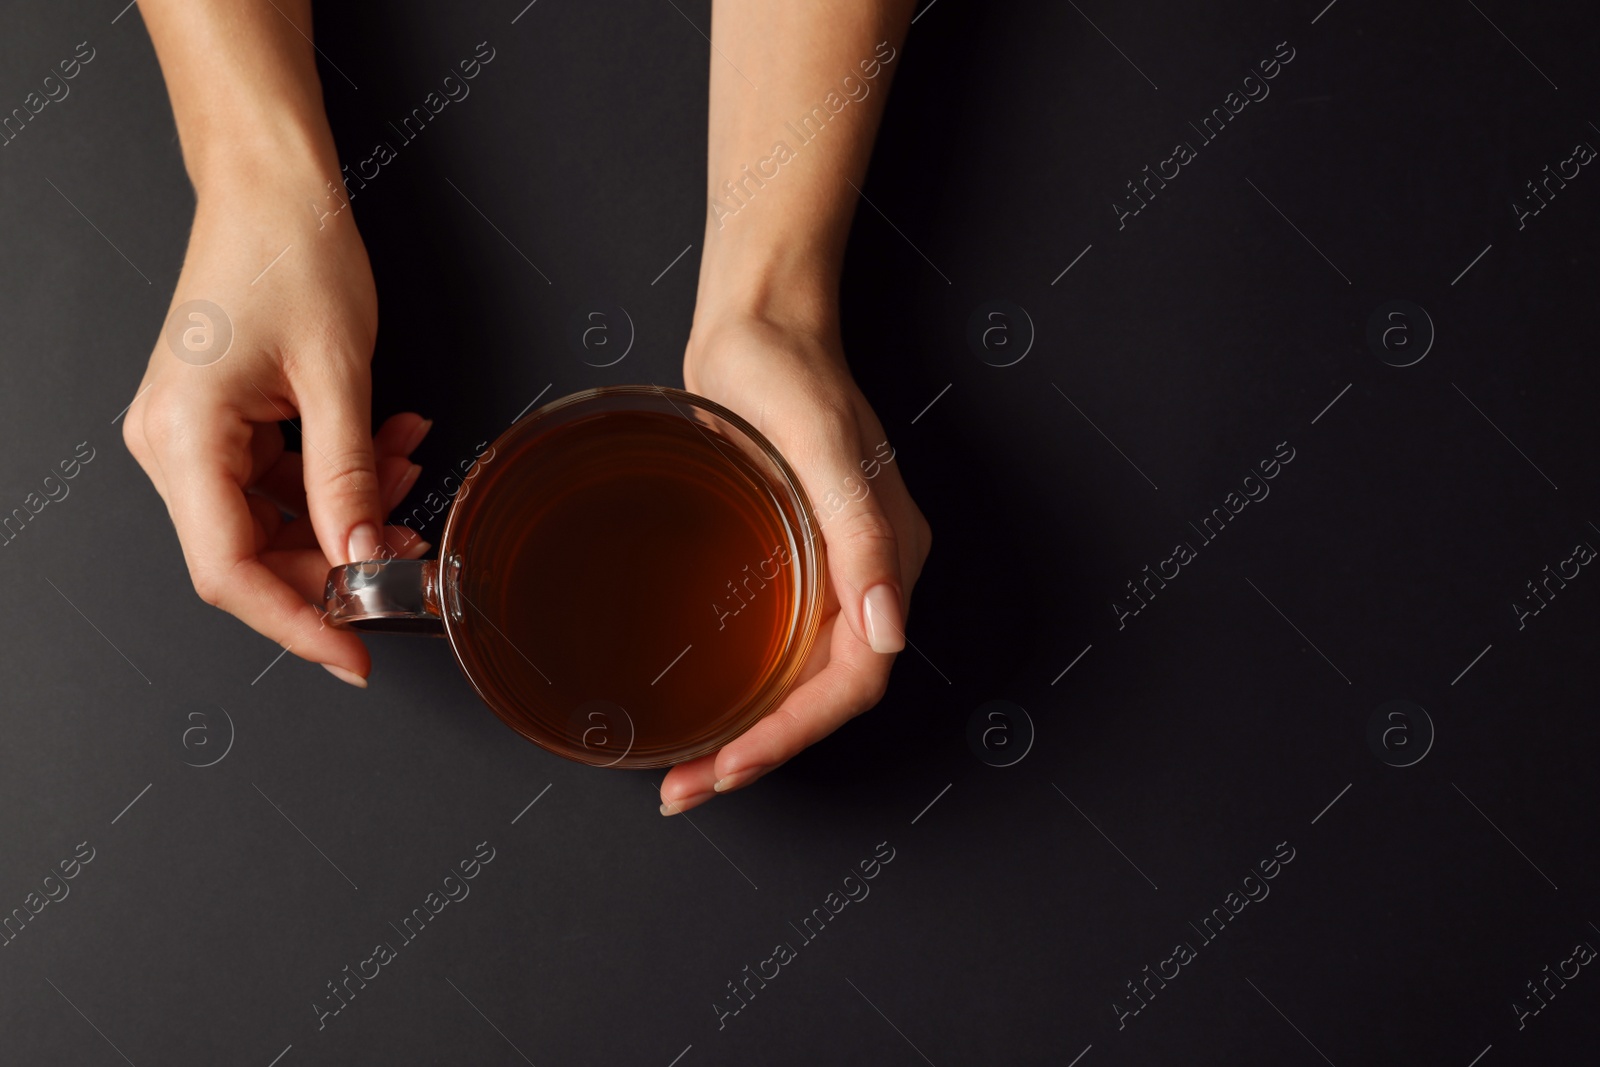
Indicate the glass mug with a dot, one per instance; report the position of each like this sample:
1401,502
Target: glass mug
630,577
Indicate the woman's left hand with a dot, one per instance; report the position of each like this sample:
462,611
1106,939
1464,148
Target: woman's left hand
794,386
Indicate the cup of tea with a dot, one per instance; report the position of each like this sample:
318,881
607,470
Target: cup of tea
630,576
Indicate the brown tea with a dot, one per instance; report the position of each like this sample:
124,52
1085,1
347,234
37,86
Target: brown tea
626,591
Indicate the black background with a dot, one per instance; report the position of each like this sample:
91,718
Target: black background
1196,738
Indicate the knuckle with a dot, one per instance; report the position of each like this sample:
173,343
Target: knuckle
303,630
791,725
867,528
133,437
160,423
213,584
834,407
348,473
209,586
857,687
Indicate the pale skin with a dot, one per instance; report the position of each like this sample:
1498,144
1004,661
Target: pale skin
765,342
258,149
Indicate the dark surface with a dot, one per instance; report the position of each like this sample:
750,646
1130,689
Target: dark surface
1197,738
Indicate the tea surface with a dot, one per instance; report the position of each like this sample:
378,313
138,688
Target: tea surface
629,589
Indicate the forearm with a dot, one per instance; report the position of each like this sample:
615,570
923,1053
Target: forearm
783,158
245,93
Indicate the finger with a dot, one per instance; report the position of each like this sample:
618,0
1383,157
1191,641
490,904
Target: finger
138,445
688,785
399,542
402,542
284,482
305,569
217,531
396,476
335,399
853,681
864,563
400,434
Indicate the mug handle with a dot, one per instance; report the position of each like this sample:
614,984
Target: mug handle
386,596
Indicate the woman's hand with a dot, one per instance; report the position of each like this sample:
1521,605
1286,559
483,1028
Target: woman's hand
285,331
793,385
279,260
766,341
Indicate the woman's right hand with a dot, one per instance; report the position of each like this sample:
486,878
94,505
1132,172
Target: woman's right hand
285,332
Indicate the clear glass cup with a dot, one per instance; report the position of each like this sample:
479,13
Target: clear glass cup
456,595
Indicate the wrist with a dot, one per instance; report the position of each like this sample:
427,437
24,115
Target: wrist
758,313
778,283
258,150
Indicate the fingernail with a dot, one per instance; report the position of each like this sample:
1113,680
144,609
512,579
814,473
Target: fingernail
345,676
363,543
880,610
739,779
393,494
416,551
682,804
417,435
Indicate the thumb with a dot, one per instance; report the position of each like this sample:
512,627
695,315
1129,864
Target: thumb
864,559
341,476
